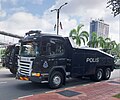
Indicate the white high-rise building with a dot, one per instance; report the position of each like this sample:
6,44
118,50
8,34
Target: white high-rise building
99,27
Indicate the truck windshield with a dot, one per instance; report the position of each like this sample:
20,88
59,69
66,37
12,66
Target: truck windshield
29,49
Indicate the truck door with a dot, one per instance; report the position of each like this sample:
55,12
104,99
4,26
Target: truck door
52,53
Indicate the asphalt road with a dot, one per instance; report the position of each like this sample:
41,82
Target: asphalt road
10,88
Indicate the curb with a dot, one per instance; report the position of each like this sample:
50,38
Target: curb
104,90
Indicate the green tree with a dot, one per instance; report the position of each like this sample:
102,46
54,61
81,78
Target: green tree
110,44
101,42
113,45
106,44
2,52
79,35
113,48
115,6
116,50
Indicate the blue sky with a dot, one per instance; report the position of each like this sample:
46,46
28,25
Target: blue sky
36,7
20,16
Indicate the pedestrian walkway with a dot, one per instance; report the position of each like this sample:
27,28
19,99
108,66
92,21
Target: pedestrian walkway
104,90
3,69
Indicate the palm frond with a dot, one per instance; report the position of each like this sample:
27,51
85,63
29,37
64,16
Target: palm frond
85,34
82,38
107,39
79,27
72,33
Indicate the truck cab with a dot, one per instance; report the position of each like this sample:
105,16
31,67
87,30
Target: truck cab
40,55
52,58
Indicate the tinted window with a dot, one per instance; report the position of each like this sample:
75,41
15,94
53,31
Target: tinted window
52,47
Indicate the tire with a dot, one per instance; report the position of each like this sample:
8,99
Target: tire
3,65
13,70
98,75
56,80
106,73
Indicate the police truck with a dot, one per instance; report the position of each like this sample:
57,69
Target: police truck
52,58
10,58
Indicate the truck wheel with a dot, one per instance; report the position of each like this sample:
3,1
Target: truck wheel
106,73
13,71
98,75
56,80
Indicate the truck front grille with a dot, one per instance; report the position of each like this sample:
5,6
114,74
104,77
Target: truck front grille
25,67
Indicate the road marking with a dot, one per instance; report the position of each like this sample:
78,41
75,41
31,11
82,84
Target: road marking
51,91
24,96
3,82
7,79
86,84
70,87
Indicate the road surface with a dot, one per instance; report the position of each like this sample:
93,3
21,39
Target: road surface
10,88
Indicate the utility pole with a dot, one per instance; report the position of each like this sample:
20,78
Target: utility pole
58,11
0,4
119,27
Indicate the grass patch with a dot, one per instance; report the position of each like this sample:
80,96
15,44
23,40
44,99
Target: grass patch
117,96
117,67
1,66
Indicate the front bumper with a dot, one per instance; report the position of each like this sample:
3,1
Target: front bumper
38,79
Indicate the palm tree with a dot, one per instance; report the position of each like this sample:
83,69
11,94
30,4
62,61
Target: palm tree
116,50
78,36
113,44
110,45
113,48
107,43
94,41
101,42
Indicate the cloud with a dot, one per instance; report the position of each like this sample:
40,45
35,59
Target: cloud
19,9
67,24
37,2
14,2
77,7
74,13
21,22
85,10
2,13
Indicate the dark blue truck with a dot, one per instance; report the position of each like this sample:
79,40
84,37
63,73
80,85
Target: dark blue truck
52,58
10,58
